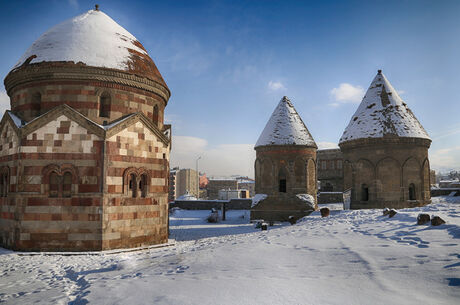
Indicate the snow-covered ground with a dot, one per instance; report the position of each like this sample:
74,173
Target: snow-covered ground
351,257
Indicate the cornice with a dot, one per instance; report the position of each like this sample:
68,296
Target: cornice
70,71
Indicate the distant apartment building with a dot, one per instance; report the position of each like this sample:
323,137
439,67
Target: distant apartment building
172,195
330,170
245,183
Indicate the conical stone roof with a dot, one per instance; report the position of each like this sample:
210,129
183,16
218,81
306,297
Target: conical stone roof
96,40
381,113
285,127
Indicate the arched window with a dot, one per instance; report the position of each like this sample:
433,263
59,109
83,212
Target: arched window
143,185
412,192
132,185
67,185
282,180
364,192
156,115
54,184
104,105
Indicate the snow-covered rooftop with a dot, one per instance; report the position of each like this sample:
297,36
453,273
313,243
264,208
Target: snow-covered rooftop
382,112
285,127
94,39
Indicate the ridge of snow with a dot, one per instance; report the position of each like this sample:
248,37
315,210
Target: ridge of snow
257,198
382,112
92,38
285,127
307,199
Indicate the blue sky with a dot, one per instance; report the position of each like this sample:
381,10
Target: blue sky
228,63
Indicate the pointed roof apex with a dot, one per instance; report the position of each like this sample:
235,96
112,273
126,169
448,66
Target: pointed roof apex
285,127
382,112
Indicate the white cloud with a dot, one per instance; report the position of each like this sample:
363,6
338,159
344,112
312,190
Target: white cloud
445,159
275,86
346,93
4,102
216,160
73,3
327,145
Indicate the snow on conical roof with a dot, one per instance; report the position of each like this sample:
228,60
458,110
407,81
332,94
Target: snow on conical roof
382,112
285,127
94,39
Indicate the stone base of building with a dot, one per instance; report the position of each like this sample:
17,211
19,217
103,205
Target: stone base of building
388,204
280,208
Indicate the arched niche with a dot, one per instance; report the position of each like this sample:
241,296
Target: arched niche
388,180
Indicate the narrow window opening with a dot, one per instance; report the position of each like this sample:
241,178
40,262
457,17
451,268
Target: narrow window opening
67,185
412,192
36,103
156,115
132,185
282,185
104,105
364,192
54,185
143,185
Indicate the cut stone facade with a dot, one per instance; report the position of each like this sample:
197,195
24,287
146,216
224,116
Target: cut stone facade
330,170
84,158
285,167
385,161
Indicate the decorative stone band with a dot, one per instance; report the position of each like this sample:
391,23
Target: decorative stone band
285,149
71,71
391,140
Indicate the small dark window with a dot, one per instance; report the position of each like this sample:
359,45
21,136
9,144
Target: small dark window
104,105
364,192
156,115
54,185
412,192
143,185
282,185
67,185
132,185
36,103
4,185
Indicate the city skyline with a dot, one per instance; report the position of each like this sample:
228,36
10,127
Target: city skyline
229,63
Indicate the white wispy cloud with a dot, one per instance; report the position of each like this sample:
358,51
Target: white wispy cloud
327,145
276,86
4,102
445,159
216,160
346,93
73,3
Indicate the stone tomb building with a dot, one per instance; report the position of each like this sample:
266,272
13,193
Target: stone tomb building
385,152
285,167
84,152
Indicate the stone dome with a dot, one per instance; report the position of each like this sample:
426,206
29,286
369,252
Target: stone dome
96,40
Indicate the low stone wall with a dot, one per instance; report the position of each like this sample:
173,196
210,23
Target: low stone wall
444,192
330,197
232,204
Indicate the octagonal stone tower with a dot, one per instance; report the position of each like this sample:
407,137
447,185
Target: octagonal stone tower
385,151
84,152
285,167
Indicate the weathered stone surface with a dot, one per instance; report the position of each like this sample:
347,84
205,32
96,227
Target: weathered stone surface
392,213
437,221
292,220
423,219
324,212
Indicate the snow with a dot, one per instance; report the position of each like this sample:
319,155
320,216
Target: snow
17,121
257,198
285,127
379,115
308,199
92,38
350,257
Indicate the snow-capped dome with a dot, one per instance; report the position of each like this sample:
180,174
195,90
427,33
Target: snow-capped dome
382,112
94,39
285,127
